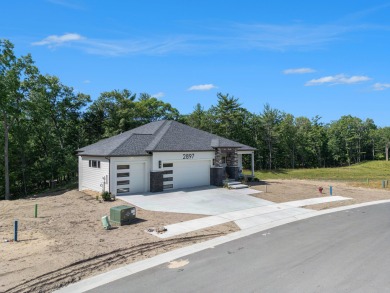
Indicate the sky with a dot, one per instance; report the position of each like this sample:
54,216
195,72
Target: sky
306,58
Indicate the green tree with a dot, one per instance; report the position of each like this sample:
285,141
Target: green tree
288,140
349,139
197,118
383,142
54,112
13,71
149,109
228,115
270,122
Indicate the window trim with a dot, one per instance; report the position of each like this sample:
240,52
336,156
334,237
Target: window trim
122,182
123,167
123,175
123,190
94,164
167,186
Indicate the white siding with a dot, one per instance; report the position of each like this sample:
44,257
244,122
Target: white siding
92,178
80,172
170,157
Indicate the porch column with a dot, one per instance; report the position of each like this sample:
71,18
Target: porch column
218,158
253,164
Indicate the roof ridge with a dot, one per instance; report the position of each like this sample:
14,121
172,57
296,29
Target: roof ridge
121,143
162,130
217,137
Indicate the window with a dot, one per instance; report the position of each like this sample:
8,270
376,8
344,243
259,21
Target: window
223,160
168,172
165,165
167,186
94,164
168,179
122,167
127,174
122,190
123,182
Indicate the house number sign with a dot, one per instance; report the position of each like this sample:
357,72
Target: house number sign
188,156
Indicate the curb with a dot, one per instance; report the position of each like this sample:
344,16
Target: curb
119,273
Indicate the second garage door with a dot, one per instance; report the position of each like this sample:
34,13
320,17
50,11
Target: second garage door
191,174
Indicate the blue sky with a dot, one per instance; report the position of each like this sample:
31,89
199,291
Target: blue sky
307,58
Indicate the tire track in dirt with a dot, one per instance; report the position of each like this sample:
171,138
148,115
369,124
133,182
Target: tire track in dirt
76,271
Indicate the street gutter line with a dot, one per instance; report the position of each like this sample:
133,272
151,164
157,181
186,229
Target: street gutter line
119,273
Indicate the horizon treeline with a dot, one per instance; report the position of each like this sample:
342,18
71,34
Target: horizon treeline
44,122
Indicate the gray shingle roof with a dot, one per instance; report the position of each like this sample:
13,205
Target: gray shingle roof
159,136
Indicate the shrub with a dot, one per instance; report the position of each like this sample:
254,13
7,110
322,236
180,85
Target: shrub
106,196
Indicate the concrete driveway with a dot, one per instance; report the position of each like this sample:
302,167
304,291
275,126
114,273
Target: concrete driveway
221,205
207,200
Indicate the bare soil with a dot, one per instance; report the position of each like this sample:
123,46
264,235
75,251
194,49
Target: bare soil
288,190
67,242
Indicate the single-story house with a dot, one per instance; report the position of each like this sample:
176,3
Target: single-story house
159,156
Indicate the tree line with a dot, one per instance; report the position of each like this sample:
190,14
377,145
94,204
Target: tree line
45,121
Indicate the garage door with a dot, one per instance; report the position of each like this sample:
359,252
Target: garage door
190,174
130,178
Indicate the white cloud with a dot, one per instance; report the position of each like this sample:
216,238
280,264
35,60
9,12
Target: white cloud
381,86
87,81
115,47
65,3
55,40
337,79
202,87
298,70
159,95
226,37
289,36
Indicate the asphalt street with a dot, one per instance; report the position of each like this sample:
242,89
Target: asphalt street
347,251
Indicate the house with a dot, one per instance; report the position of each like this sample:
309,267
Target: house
159,156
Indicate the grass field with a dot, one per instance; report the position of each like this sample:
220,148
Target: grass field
374,171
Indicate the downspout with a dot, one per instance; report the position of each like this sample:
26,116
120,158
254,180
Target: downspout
109,173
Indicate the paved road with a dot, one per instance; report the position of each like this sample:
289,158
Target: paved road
347,251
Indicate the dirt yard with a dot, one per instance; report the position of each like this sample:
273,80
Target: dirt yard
289,190
67,243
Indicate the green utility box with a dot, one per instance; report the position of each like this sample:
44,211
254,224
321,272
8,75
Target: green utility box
122,215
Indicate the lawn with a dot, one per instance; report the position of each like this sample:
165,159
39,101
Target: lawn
374,171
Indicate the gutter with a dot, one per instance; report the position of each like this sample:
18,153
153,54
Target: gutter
109,173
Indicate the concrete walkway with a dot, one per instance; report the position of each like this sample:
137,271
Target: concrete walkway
221,205
248,218
164,258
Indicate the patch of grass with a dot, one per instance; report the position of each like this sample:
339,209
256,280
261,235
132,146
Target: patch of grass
374,171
